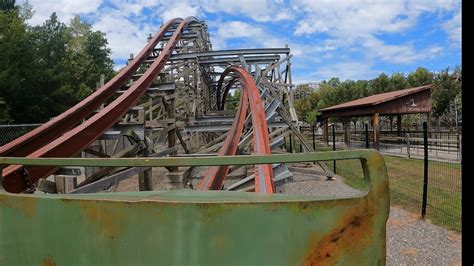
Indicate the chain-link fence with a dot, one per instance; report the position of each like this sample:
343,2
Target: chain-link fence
11,132
413,158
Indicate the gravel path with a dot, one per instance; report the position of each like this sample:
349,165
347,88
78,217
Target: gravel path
411,241
304,184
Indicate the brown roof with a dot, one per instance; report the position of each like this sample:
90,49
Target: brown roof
377,98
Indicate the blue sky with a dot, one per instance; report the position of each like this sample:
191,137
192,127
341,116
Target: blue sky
341,38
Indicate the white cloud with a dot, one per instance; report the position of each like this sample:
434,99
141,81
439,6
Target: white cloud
356,23
65,9
181,10
453,29
361,17
346,70
346,27
400,54
258,10
124,36
254,36
351,18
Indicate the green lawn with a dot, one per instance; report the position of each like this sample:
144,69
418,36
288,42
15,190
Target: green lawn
406,185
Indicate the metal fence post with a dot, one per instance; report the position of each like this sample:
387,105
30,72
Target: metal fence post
366,136
425,174
334,144
408,144
314,138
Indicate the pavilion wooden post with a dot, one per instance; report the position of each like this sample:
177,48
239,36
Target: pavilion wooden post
428,122
399,125
325,130
376,131
347,132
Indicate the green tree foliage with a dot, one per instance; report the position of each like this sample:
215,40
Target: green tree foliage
7,5
380,84
4,108
15,58
233,100
48,68
421,76
447,87
398,82
307,103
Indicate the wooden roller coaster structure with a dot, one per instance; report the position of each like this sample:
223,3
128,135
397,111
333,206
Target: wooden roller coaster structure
170,107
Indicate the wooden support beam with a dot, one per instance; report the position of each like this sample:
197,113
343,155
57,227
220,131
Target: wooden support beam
96,153
181,140
399,125
109,181
347,132
169,104
47,186
65,183
127,152
376,131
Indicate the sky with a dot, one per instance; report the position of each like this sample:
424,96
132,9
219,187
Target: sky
349,39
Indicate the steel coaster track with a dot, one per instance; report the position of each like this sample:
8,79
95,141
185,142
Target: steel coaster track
17,178
35,139
215,176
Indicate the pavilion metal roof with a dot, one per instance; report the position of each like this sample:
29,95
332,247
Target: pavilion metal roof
377,99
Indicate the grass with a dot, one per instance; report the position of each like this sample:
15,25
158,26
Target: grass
406,185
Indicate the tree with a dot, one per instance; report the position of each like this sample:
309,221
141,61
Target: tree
4,109
232,101
398,82
420,77
308,103
48,68
15,59
7,5
311,117
446,88
380,84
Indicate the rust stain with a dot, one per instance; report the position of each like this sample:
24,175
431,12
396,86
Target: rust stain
48,261
220,242
352,234
105,217
26,205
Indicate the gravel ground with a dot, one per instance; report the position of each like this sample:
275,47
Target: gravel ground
304,184
410,241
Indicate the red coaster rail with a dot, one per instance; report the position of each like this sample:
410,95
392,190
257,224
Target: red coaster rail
263,173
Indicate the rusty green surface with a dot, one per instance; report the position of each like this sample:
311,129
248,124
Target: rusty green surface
186,227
